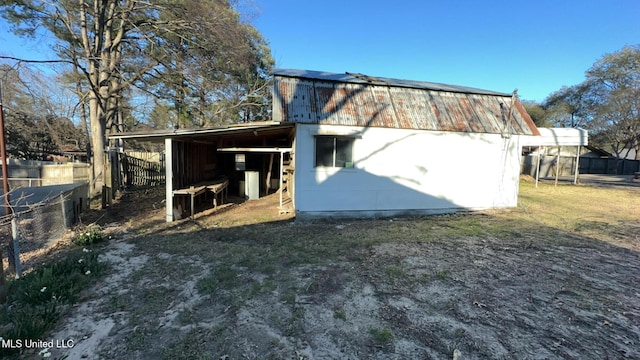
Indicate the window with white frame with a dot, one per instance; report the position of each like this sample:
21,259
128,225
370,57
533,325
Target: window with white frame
334,151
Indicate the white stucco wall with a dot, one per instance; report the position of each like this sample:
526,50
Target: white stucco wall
407,171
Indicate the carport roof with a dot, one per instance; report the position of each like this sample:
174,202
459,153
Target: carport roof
557,137
157,135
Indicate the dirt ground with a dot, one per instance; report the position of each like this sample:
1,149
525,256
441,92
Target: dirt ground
244,282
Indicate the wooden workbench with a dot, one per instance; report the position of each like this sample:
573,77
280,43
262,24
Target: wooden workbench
216,187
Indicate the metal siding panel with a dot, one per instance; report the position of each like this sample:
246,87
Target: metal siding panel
412,109
351,113
379,105
488,110
405,117
527,119
485,114
346,112
304,100
283,96
519,125
494,104
429,115
452,108
296,100
444,123
324,102
474,121
385,113
367,108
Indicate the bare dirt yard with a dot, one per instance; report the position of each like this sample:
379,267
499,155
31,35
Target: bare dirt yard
555,278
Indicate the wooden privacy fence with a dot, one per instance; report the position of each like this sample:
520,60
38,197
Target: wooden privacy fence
26,173
609,166
141,173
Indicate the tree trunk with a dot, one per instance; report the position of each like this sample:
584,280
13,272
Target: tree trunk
98,127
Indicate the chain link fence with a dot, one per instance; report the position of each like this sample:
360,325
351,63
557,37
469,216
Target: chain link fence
42,215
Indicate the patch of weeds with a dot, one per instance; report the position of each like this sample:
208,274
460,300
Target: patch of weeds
268,286
395,271
340,314
396,275
223,277
137,340
227,284
90,236
312,287
185,317
258,288
289,296
117,302
459,332
293,325
156,298
191,346
441,275
36,301
381,337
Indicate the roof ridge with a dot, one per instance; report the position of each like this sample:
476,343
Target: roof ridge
349,77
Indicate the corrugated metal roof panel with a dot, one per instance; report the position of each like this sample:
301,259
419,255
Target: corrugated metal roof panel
328,99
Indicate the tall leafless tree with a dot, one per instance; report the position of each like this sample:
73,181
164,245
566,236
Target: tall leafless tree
190,52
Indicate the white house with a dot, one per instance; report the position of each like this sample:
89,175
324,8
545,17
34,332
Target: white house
355,145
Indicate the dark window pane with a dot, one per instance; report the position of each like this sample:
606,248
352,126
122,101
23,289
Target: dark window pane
324,150
344,147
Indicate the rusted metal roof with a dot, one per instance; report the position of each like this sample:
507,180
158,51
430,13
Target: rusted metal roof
353,99
257,127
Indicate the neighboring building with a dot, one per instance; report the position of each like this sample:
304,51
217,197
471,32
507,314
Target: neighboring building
628,154
354,145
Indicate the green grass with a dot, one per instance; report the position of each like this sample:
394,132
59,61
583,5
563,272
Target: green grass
597,212
36,301
381,337
340,314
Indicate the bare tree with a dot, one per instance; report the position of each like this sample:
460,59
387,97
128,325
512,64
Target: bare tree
190,52
615,78
37,115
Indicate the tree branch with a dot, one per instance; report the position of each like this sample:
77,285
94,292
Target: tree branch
36,61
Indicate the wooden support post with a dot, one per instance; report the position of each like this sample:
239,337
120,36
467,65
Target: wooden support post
557,165
575,175
538,165
3,290
193,196
16,246
280,177
268,187
168,178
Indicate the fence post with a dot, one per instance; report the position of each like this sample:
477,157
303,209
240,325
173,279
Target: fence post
3,290
16,246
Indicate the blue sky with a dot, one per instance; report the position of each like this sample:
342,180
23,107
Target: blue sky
534,46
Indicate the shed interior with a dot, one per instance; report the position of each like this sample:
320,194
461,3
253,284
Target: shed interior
206,159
